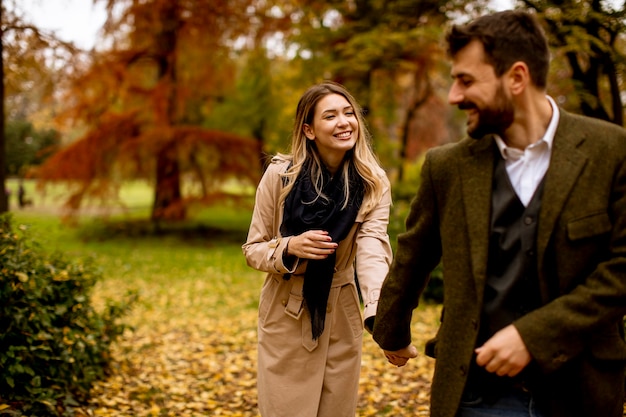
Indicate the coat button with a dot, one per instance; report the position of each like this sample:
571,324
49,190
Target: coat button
284,302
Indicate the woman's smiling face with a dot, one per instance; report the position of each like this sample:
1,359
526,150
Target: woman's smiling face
334,129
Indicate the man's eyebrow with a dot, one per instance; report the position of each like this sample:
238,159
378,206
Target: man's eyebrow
459,74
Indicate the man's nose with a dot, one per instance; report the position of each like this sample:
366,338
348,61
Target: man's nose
455,96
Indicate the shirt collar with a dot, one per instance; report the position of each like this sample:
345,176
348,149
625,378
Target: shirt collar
548,136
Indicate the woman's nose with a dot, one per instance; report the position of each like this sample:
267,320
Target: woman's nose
342,120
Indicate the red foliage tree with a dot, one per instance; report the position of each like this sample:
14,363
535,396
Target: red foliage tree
144,101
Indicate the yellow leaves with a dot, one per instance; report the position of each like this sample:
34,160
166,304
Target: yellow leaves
386,390
61,276
155,410
203,363
192,351
22,276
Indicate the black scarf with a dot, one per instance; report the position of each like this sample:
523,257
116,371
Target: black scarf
305,210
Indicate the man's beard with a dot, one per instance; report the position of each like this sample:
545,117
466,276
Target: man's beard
494,119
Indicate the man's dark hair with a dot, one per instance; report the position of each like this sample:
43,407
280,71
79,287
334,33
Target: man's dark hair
507,37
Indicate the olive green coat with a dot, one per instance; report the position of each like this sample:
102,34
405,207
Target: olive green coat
575,338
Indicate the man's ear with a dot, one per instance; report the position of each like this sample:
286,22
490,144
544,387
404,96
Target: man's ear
519,77
308,132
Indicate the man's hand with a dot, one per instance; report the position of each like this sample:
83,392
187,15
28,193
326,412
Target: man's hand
504,353
402,356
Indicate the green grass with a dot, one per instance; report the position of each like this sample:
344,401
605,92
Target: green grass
192,265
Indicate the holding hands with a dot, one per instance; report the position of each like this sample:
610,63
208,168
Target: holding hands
402,356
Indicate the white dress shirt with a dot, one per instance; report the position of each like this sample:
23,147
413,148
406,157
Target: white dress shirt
526,168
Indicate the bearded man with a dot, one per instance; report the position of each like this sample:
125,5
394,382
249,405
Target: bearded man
528,218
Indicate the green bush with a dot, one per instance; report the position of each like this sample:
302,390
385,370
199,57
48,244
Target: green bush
55,344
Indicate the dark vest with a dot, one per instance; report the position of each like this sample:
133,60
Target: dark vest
512,287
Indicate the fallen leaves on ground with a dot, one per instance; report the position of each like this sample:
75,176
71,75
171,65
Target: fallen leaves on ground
188,357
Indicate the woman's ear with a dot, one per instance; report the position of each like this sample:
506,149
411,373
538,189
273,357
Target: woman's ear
308,132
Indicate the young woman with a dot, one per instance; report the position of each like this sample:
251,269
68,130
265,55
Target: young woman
320,221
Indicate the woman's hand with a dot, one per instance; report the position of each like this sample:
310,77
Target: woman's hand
313,244
402,356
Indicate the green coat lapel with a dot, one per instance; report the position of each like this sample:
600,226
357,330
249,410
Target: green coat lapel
476,172
566,164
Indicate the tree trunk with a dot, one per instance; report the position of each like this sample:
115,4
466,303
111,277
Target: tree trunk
4,200
168,204
167,195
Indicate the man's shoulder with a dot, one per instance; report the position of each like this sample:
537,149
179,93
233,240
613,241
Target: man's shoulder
590,125
593,136
457,149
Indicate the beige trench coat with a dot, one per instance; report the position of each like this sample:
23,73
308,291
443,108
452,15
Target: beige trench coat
298,376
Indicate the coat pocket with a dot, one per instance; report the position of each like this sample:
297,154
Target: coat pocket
594,224
349,303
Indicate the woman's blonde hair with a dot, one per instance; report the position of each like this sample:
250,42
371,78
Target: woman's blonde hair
361,157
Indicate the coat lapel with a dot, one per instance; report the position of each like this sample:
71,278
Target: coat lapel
566,164
476,173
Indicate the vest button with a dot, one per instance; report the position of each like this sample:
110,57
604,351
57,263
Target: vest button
528,220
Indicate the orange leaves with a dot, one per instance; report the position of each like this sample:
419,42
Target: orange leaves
93,156
146,102
118,148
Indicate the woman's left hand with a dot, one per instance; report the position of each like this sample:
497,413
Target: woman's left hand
313,244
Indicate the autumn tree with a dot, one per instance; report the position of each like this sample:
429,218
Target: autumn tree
146,104
28,55
388,53
589,35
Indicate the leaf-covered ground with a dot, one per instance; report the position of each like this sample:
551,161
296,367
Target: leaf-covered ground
191,348
185,360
